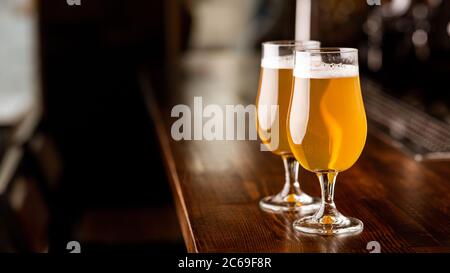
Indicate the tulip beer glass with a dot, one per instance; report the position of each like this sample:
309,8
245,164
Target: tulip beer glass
326,128
272,104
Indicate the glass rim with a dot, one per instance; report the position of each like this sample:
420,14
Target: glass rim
327,50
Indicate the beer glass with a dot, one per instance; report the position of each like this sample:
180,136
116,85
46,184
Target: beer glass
327,128
272,105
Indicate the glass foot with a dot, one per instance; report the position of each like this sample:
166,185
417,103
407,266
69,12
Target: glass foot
302,203
328,225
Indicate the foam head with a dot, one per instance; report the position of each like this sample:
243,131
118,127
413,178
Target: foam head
312,66
280,54
278,62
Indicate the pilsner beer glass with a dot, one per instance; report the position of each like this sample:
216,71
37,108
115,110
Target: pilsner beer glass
272,105
327,128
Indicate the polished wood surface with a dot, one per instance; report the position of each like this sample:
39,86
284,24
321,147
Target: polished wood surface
404,204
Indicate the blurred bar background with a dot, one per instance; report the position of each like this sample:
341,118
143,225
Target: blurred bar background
78,153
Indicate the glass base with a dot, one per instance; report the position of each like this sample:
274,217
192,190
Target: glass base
328,225
298,203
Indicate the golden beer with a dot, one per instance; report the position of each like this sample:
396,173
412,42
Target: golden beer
272,104
274,90
327,128
327,125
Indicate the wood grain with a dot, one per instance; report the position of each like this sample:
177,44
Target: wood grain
404,204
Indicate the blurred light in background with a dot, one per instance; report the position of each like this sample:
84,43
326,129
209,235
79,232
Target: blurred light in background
18,54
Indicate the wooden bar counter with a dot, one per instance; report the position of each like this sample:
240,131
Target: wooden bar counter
217,185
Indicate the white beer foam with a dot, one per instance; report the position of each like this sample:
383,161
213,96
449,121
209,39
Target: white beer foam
278,62
319,70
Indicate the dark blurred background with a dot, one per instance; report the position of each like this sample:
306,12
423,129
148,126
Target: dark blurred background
80,159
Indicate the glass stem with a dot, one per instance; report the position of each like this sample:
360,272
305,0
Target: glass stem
291,169
327,212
